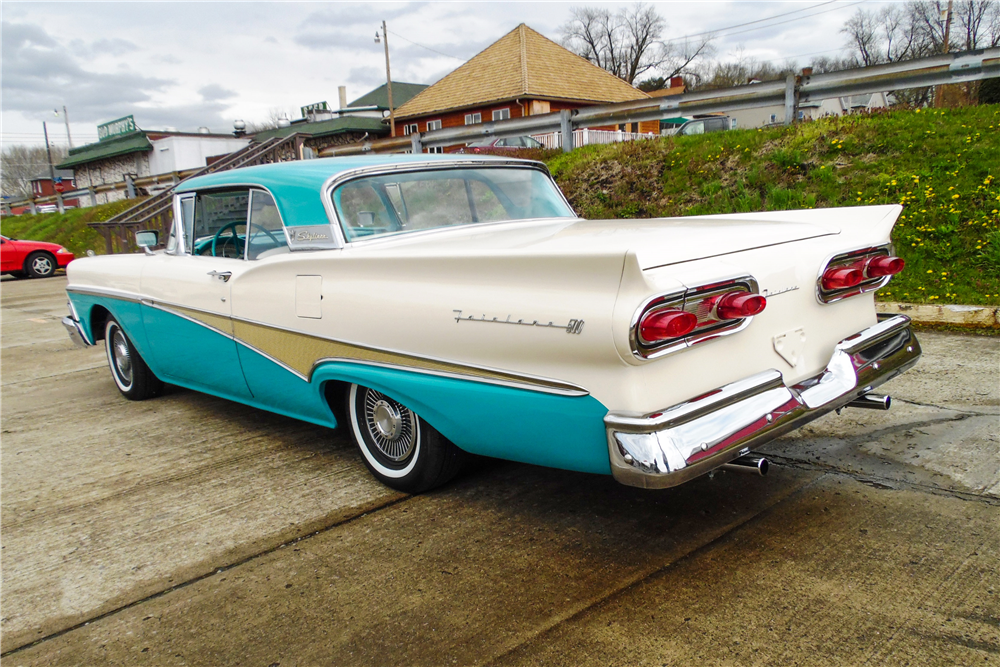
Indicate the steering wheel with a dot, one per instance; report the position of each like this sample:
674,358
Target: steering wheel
235,238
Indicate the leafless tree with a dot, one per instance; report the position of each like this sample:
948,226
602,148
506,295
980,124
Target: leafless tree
20,164
862,30
628,43
274,114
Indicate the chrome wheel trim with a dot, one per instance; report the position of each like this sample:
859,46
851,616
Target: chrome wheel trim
42,265
123,359
119,356
392,426
359,429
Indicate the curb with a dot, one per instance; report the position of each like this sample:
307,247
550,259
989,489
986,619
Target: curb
924,313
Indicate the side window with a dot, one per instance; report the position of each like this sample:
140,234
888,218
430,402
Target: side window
363,211
220,220
266,236
694,128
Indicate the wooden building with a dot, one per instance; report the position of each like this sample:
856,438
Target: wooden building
522,74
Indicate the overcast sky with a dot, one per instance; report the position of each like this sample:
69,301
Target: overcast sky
190,64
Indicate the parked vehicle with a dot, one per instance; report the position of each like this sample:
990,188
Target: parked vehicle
437,306
33,259
502,145
703,126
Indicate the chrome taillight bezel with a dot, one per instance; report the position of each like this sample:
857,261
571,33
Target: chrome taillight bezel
693,301
847,259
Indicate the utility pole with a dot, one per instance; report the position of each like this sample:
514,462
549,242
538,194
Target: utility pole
939,90
388,79
69,137
52,170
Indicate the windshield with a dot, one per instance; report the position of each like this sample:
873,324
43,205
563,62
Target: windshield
430,199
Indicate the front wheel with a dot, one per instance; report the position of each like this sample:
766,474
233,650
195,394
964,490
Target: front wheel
40,265
399,448
134,379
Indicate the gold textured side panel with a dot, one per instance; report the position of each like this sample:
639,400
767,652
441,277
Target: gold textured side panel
300,352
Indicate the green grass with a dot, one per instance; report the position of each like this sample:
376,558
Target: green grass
68,229
942,165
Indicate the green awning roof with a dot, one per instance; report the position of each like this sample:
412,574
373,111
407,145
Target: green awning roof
401,94
135,142
324,128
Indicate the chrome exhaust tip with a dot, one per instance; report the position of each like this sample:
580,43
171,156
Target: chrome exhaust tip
871,402
750,463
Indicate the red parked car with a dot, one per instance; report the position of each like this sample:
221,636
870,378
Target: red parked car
35,259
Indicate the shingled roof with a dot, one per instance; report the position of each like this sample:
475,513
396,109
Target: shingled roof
521,64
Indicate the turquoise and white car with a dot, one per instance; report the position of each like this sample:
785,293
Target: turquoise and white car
441,307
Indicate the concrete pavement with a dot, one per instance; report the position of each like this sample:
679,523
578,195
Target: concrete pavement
190,530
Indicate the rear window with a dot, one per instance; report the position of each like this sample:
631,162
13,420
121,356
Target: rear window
431,199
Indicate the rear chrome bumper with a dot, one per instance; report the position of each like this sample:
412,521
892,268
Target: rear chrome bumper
74,328
673,445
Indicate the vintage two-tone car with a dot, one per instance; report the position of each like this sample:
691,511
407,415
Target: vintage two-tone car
444,306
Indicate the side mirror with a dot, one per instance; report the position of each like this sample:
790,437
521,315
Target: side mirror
147,239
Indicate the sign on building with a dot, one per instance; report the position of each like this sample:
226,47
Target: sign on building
313,108
116,128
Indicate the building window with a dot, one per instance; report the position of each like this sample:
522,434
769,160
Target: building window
774,118
433,125
435,149
732,123
473,118
410,129
802,115
501,114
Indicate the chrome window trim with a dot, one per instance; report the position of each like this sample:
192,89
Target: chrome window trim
181,248
833,296
675,297
337,180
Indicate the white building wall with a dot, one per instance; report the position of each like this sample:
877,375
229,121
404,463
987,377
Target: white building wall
179,153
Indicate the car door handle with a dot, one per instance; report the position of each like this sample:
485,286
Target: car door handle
224,276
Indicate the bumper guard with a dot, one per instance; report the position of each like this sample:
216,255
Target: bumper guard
671,446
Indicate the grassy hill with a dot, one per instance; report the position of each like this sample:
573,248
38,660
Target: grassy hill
68,229
942,165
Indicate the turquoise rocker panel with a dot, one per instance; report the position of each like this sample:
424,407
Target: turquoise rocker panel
282,391
564,432
127,313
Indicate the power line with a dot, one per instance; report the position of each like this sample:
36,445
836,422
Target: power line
769,18
446,55
717,31
740,32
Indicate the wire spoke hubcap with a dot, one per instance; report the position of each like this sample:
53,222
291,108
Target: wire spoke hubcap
392,426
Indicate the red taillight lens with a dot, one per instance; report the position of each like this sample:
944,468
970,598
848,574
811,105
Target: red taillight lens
735,305
666,324
842,277
883,265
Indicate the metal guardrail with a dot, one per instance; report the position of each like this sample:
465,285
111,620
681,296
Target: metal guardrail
949,68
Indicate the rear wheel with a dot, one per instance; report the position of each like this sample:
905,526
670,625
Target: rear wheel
399,448
134,379
40,265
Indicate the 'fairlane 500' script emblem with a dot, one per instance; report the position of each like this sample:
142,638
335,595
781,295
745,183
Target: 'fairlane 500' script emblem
574,326
309,236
